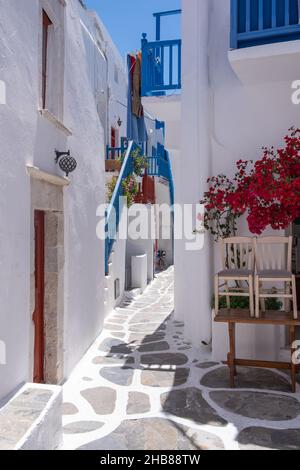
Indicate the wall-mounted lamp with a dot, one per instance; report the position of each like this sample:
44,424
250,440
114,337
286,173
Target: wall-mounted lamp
66,163
120,122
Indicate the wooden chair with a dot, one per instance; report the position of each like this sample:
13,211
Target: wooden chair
273,257
238,266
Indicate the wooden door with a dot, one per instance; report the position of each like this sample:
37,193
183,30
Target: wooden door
38,315
113,138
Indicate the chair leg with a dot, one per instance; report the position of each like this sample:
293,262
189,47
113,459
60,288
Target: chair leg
231,355
216,294
257,296
251,297
294,293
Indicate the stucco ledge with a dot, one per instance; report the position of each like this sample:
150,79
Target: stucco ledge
35,173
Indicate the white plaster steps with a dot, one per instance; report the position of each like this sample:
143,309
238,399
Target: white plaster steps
133,294
32,419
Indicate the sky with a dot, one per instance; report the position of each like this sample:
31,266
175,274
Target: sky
126,20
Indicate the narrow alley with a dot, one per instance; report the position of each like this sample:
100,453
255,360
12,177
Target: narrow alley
141,387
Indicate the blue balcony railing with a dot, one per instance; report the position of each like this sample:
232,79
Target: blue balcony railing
158,165
258,22
161,61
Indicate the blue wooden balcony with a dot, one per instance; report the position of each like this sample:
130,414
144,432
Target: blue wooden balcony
258,22
161,62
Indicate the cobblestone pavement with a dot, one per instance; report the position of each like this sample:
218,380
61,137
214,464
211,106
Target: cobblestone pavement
141,386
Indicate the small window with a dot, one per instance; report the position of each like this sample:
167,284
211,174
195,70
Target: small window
46,24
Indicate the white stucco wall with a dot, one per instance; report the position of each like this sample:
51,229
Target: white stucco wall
193,273
224,119
29,138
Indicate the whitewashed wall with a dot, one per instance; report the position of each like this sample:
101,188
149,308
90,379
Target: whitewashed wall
223,120
29,138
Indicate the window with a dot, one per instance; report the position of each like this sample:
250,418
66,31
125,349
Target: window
46,24
52,57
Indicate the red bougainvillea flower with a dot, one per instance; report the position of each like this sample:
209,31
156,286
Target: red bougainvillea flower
267,190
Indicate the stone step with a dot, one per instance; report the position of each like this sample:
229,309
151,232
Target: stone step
32,419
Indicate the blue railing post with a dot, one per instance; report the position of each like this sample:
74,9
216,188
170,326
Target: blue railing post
234,24
158,23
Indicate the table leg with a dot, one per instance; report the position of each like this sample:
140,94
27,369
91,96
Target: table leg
231,355
293,363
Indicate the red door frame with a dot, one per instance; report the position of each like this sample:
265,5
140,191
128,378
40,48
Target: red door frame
38,315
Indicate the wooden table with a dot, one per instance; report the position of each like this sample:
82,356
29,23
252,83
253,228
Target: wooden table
233,317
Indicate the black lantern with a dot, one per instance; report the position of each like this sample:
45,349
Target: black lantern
66,163
120,122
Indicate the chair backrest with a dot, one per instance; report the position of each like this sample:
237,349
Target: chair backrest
273,253
237,253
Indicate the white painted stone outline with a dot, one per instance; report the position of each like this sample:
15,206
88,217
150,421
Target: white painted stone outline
161,287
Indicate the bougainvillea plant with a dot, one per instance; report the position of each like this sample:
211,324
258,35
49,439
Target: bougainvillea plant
130,189
223,203
268,191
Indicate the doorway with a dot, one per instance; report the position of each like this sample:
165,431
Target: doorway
38,315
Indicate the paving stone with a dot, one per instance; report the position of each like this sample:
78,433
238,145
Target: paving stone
80,427
117,334
101,399
147,328
69,409
161,378
258,405
206,365
119,376
115,346
113,360
110,326
155,434
117,320
150,347
170,359
256,438
247,378
144,338
145,317
138,403
189,403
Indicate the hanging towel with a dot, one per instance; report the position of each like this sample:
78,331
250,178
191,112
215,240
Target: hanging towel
136,128
137,107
